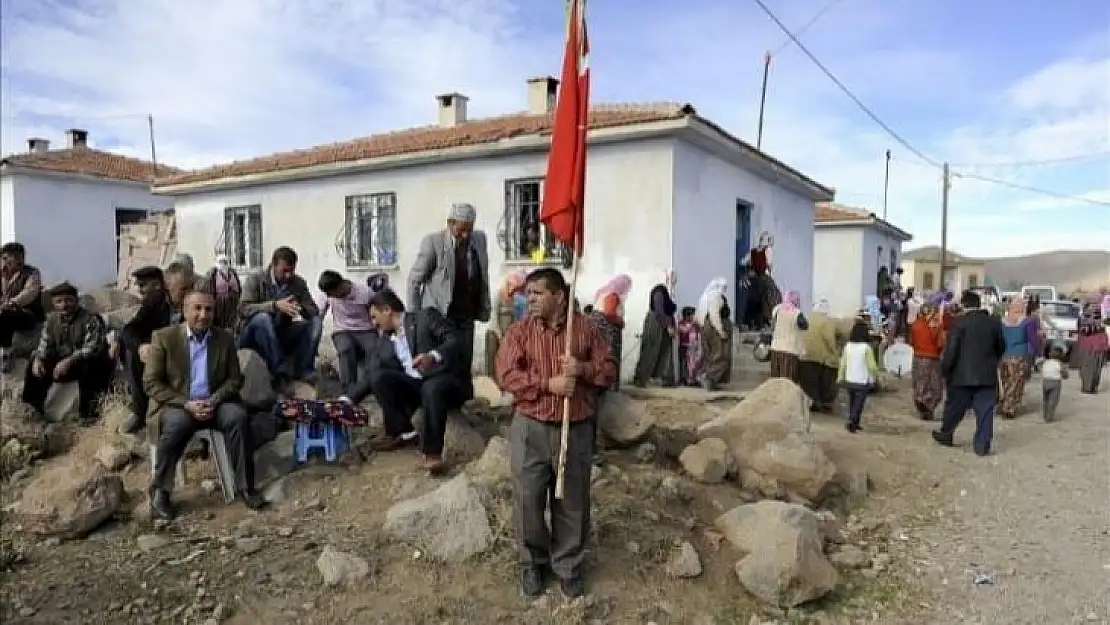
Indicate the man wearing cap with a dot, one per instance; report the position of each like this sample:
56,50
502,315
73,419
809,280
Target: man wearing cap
451,274
132,342
72,348
20,298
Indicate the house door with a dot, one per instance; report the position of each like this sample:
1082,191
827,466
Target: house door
125,216
743,248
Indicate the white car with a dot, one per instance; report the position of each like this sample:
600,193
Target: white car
1060,321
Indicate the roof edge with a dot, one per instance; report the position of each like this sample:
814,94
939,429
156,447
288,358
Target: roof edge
45,172
866,221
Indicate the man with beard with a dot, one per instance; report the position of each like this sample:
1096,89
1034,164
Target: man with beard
132,343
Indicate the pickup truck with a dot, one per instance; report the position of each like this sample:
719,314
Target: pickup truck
1060,322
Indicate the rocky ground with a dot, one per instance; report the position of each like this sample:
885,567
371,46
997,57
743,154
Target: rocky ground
687,528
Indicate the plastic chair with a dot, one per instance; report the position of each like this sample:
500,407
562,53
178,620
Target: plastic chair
331,438
217,451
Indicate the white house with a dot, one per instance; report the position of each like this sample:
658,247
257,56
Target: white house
849,247
666,188
66,206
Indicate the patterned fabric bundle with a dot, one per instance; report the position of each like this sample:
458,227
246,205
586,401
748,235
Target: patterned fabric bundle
322,411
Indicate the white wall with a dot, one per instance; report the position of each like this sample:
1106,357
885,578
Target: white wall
628,195
7,208
838,267
706,189
68,223
873,238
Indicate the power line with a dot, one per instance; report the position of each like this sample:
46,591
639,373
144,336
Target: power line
801,31
848,92
1047,161
1022,187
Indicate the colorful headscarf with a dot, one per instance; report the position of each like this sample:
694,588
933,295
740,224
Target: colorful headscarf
620,285
1015,311
512,283
717,286
791,301
1105,307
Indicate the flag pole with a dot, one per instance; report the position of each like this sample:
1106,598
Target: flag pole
564,433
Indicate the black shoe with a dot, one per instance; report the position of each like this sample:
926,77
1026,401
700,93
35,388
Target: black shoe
160,506
572,587
942,438
133,424
982,451
531,581
253,500
852,428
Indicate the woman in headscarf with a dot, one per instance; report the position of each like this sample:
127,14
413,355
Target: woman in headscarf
820,359
608,314
1019,332
657,340
1092,346
713,315
788,326
224,283
507,312
927,338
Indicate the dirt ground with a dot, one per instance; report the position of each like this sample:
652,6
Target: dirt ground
1032,519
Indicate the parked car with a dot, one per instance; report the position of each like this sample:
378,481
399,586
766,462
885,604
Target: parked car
1043,293
1061,321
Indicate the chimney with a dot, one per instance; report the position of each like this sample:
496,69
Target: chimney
77,138
542,94
38,145
452,109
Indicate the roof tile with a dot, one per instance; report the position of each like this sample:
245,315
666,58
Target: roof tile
89,162
827,212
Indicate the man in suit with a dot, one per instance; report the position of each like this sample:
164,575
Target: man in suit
132,342
451,275
970,365
279,318
193,379
415,364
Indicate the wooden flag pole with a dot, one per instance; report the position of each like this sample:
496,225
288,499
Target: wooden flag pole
564,434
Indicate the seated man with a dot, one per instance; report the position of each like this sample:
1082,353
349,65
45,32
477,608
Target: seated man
193,379
278,318
132,342
20,299
414,364
72,347
353,334
179,281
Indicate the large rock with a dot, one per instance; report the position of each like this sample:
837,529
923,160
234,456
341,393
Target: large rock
622,420
38,438
450,523
708,461
461,441
341,568
486,389
769,433
785,564
71,499
258,387
493,467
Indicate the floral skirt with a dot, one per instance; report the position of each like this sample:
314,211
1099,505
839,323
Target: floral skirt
1011,373
928,384
784,365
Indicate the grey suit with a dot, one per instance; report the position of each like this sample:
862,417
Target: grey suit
432,277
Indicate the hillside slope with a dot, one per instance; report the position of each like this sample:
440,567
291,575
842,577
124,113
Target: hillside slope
1067,270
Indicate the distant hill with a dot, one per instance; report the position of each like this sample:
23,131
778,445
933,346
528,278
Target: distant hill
1067,270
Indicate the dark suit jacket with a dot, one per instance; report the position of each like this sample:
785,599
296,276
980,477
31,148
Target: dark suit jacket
257,295
426,331
166,376
975,345
148,319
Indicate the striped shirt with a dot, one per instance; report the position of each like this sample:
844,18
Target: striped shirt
530,355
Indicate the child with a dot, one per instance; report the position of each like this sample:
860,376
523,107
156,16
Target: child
689,348
857,372
1053,371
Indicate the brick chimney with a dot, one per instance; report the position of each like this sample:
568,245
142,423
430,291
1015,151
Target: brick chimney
452,109
77,138
38,145
542,94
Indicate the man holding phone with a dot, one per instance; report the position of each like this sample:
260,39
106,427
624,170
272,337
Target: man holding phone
279,319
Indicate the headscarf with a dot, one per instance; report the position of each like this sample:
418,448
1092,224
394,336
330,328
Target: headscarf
1015,311
913,307
791,300
717,286
822,305
512,283
223,264
669,307
930,314
620,285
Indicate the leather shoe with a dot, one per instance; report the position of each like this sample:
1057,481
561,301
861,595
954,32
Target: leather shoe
253,500
160,506
531,581
942,438
393,443
434,465
572,587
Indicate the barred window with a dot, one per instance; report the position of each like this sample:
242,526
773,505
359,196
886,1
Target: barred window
521,234
241,238
370,230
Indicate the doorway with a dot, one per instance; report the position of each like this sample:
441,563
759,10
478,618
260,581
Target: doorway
126,216
743,248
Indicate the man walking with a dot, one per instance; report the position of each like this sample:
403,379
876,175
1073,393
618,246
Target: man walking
532,365
451,274
970,366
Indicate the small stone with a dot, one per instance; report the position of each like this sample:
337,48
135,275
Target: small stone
337,567
209,486
850,556
151,542
645,453
27,612
684,562
248,546
285,532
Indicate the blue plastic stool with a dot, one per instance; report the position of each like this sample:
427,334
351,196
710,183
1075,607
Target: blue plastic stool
331,438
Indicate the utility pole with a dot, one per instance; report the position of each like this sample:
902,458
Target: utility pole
944,226
153,153
886,183
763,99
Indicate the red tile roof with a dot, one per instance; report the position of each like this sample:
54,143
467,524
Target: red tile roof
827,212
89,162
474,132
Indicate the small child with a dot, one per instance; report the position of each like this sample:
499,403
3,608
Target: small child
1053,371
689,348
857,372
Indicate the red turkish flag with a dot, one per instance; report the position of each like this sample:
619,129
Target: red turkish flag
564,189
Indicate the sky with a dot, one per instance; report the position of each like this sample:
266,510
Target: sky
995,88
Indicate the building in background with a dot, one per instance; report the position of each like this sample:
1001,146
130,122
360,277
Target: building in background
850,245
67,206
665,188
922,270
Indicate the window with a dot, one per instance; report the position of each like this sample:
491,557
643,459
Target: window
521,234
241,238
370,230
927,280
972,281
